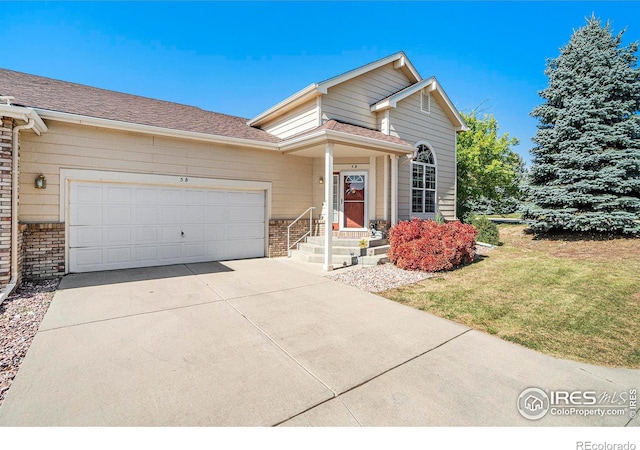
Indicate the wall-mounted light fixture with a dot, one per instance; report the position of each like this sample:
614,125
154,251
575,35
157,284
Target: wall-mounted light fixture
41,182
321,180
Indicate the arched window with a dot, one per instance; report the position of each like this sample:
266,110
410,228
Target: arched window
423,181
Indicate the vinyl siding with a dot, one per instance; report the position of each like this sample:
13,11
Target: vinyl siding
351,101
301,119
409,123
80,147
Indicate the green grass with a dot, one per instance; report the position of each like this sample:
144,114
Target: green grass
504,216
568,306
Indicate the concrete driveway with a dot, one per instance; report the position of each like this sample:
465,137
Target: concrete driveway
262,342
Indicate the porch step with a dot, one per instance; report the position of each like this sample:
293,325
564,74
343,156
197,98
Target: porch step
339,242
340,260
343,251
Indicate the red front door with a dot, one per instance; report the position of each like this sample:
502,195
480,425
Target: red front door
353,196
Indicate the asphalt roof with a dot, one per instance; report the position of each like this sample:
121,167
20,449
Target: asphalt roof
55,95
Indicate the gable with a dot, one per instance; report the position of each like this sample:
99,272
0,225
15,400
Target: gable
351,100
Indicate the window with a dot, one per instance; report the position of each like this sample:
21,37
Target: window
425,102
423,181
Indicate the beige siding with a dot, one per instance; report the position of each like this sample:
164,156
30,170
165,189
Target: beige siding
351,101
79,147
408,122
301,119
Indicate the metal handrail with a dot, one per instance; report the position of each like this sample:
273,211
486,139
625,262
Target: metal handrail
308,233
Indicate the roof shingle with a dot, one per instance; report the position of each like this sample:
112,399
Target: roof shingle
46,93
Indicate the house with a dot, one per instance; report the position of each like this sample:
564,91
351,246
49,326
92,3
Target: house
106,180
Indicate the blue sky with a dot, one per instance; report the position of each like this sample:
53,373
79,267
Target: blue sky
241,58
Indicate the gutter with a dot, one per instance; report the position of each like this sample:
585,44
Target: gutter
33,122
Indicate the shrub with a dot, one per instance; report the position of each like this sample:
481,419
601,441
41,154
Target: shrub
487,230
432,247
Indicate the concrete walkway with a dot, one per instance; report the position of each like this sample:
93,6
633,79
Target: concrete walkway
261,342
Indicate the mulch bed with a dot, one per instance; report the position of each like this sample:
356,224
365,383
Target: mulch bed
20,317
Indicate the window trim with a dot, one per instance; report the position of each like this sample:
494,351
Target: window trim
423,214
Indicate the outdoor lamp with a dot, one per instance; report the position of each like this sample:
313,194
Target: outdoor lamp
41,182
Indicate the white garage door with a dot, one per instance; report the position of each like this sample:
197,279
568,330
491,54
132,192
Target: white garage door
117,226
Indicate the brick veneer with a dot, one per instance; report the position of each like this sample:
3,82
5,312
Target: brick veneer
6,138
278,234
43,250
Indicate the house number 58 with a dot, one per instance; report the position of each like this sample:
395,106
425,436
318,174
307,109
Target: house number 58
184,180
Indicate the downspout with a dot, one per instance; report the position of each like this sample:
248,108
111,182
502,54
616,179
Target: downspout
14,209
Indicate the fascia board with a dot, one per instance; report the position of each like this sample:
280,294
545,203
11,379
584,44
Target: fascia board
285,105
462,126
337,137
25,114
157,131
396,57
392,101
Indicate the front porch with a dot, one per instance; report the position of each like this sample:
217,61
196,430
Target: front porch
354,186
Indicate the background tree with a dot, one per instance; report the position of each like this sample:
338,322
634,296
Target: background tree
489,171
585,173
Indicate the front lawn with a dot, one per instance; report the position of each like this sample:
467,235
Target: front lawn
572,299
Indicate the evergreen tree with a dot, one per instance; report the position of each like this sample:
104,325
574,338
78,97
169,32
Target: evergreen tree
585,173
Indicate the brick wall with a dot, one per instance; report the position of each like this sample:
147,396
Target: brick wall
278,234
6,137
43,252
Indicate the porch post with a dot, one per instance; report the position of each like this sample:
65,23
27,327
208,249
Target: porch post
328,201
372,189
394,190
385,196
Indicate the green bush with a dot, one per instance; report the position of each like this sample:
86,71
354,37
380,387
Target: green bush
487,230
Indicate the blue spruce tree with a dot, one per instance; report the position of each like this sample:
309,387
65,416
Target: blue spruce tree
585,172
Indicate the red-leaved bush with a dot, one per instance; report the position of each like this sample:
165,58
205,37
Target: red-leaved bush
426,245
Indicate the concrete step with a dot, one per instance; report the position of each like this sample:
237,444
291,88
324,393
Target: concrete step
338,260
354,243
319,249
381,250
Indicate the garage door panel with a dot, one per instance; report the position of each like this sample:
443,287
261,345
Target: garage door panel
146,196
85,257
117,194
234,214
86,193
87,237
170,252
169,214
145,254
169,233
117,236
214,250
213,214
192,233
117,255
169,196
145,215
116,215
120,226
215,198
192,214
255,214
193,250
86,215
193,197
214,232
